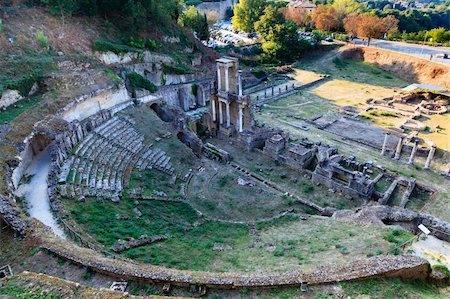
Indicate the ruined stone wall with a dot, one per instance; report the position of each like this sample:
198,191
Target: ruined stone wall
91,104
317,178
405,266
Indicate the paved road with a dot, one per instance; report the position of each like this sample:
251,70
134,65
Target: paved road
411,49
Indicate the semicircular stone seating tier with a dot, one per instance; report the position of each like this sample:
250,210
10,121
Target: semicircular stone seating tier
102,162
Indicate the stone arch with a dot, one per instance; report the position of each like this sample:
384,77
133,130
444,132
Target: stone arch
39,143
162,113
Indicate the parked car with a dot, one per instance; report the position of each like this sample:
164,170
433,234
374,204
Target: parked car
329,39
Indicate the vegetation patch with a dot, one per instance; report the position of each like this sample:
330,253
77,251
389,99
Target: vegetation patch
12,111
391,288
176,69
109,222
137,82
106,46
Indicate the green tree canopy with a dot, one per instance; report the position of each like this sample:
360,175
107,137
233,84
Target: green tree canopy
271,17
247,13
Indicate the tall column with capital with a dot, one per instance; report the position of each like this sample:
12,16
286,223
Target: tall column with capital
227,83
240,82
219,79
228,113
213,107
241,119
220,113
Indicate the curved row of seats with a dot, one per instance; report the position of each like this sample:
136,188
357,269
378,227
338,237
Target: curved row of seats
101,164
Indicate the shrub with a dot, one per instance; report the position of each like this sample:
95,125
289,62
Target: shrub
442,269
151,44
308,188
139,82
177,70
42,40
25,83
136,43
279,251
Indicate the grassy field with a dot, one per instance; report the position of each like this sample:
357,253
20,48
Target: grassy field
108,222
285,244
216,193
391,288
289,179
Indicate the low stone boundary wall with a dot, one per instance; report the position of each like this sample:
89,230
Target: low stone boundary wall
404,266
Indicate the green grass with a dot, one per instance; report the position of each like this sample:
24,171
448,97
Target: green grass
390,288
193,249
14,289
18,108
20,72
149,181
109,222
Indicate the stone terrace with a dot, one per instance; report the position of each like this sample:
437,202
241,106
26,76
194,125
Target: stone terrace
102,162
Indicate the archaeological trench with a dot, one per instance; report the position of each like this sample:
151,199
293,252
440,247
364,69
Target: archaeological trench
90,148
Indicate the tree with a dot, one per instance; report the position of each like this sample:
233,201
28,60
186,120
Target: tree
326,22
63,7
391,24
213,17
368,26
299,16
283,43
271,17
247,13
343,8
191,18
324,18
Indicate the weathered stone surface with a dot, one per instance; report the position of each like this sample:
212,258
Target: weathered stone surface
9,97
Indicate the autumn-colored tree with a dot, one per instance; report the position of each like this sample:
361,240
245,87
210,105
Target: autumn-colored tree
391,24
326,22
368,26
324,18
351,24
297,15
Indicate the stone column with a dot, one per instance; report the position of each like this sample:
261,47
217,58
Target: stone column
241,119
413,153
265,89
430,156
398,151
204,97
228,113
386,136
213,107
227,83
219,80
240,83
220,113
